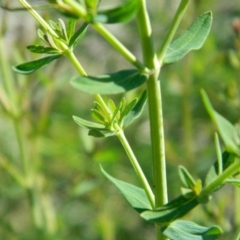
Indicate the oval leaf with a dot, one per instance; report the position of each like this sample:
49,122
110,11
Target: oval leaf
192,39
134,195
122,13
112,83
185,230
30,67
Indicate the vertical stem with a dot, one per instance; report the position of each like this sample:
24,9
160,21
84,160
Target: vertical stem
155,107
155,111
158,145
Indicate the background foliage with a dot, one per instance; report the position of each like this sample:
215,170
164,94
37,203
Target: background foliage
80,203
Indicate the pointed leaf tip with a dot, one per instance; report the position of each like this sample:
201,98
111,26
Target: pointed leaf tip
135,196
192,39
32,66
227,131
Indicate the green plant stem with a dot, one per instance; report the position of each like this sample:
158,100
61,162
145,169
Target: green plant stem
119,46
45,25
173,27
122,139
121,136
136,166
38,18
230,171
155,107
77,8
76,63
155,111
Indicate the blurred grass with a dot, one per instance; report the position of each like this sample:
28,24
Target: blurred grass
82,203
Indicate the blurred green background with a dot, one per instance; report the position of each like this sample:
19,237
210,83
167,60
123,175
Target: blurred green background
75,200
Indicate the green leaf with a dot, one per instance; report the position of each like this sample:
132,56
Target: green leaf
171,211
78,35
227,160
98,107
96,129
192,39
41,49
98,116
123,104
112,83
127,109
29,67
228,132
134,112
116,113
122,13
53,25
185,230
71,27
186,177
111,105
42,36
134,195
88,124
62,28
